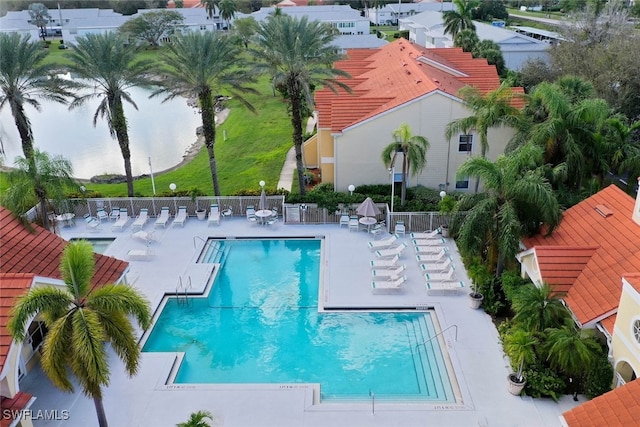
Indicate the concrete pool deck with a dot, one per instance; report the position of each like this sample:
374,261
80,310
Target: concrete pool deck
146,400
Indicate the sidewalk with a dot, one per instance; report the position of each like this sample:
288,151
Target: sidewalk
289,167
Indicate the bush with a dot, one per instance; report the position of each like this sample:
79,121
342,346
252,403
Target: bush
492,302
511,283
599,377
543,382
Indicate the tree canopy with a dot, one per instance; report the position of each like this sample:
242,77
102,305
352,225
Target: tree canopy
151,26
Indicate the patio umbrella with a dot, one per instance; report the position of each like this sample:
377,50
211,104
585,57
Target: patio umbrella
263,200
368,208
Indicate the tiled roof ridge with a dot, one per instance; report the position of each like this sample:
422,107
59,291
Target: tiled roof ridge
619,407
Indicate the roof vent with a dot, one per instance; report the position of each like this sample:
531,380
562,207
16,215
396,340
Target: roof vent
436,81
408,72
418,81
604,211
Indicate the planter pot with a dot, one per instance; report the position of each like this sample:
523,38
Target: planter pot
201,213
515,387
475,300
445,231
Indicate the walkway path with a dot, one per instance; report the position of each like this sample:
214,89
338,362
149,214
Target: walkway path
289,167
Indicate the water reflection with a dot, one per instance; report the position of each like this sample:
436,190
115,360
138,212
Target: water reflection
161,130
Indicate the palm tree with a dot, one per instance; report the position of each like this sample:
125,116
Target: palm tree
39,180
39,15
245,28
298,54
467,39
571,350
24,79
81,320
210,6
493,109
201,65
514,189
623,153
460,18
110,66
519,345
538,308
414,154
228,10
198,419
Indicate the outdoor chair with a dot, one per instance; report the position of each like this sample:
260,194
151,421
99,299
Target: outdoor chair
141,220
181,216
388,285
115,214
163,218
437,257
385,263
444,288
437,266
344,220
214,215
92,222
121,223
427,235
101,214
380,244
389,272
353,223
399,230
440,277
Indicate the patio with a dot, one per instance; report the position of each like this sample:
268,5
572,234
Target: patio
144,400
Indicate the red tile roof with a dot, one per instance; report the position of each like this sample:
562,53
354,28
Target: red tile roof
618,408
560,266
39,252
595,293
609,322
399,72
12,285
13,406
633,279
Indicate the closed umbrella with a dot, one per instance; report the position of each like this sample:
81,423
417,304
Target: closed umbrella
263,200
368,208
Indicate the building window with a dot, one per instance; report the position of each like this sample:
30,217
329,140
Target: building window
636,330
463,184
465,144
37,332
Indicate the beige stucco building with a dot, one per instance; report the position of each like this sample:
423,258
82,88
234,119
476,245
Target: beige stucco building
395,84
625,343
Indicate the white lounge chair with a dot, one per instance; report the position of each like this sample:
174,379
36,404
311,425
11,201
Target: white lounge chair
92,223
387,253
115,214
181,216
141,220
214,215
428,242
227,212
435,234
354,225
163,218
440,277
432,257
385,243
399,230
145,254
444,288
121,223
344,220
437,266
145,236
429,249
389,272
384,263
388,285
101,214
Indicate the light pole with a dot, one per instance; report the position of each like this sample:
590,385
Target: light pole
442,195
351,189
153,183
173,187
392,171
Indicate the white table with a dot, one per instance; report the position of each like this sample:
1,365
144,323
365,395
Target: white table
66,219
367,221
263,214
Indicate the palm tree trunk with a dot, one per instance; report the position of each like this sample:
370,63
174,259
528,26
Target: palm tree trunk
119,123
403,191
102,416
209,130
24,129
296,122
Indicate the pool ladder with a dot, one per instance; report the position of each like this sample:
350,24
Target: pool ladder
440,333
182,291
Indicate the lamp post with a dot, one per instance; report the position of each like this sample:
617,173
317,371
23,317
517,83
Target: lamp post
153,183
442,194
351,189
173,187
392,171
262,184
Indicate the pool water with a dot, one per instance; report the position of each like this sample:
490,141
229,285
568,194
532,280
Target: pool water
260,324
100,245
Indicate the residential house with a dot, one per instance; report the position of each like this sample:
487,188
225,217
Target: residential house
593,260
427,29
30,259
389,13
344,19
396,83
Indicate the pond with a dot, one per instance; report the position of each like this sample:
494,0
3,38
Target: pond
162,131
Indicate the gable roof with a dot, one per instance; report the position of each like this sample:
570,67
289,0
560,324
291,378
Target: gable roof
12,285
560,266
603,221
618,408
395,74
39,253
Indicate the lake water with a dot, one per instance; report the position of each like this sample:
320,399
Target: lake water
162,131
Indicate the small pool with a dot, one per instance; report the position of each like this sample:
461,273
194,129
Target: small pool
100,244
261,324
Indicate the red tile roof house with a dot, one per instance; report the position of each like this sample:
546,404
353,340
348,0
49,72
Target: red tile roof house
400,82
30,259
593,258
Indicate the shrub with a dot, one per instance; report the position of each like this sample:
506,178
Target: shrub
511,283
599,377
543,382
493,298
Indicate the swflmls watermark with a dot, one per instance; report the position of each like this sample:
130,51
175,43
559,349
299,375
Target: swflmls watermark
30,414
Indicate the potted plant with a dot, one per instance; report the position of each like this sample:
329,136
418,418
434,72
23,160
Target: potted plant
478,274
519,345
446,206
200,213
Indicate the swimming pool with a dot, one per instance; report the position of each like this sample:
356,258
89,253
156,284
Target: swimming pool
260,324
100,244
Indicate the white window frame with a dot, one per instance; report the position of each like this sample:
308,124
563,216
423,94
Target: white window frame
635,330
462,180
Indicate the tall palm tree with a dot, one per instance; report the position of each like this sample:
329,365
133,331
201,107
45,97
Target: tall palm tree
202,65
623,152
571,350
298,55
39,15
538,308
198,419
460,18
414,154
81,321
228,10
25,79
493,109
210,6
110,66
39,180
514,188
